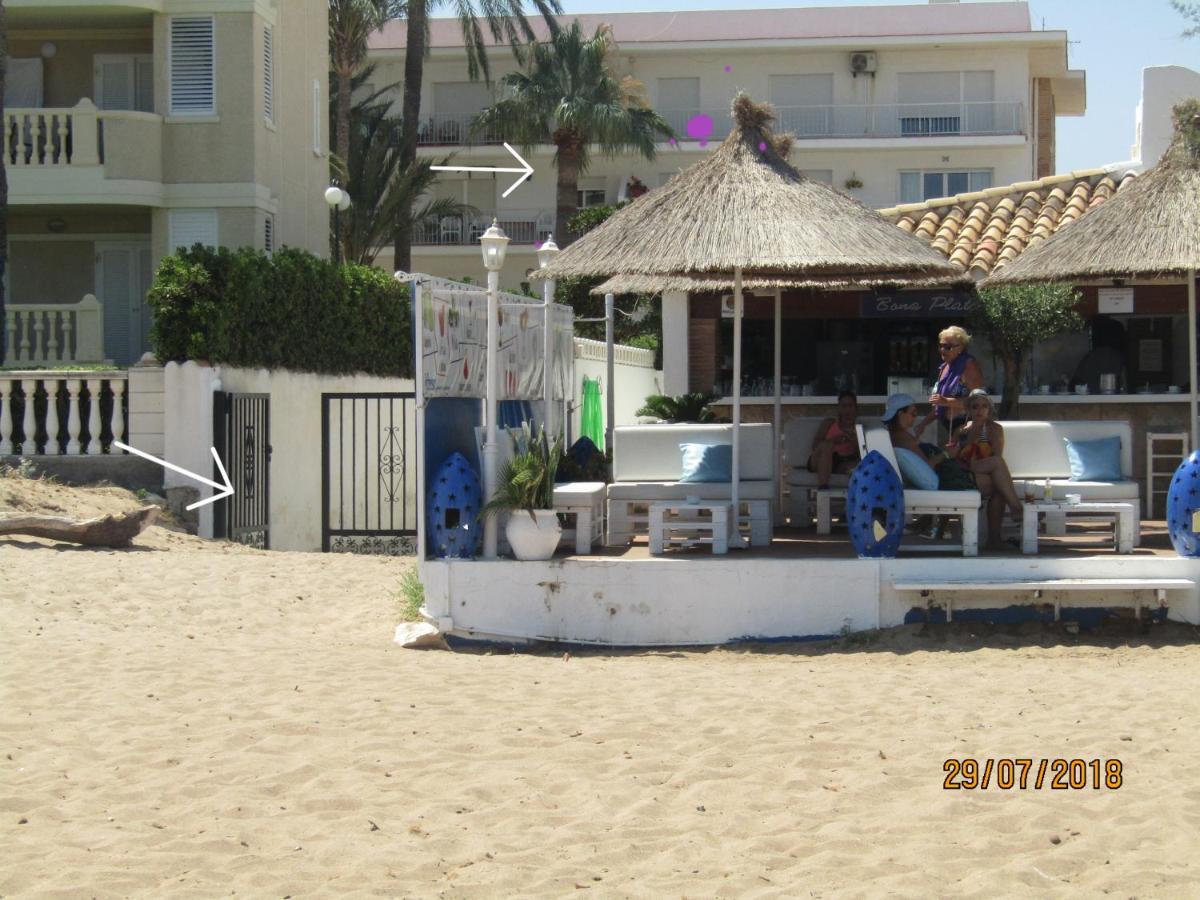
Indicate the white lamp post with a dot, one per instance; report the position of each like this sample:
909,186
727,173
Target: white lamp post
338,201
494,243
545,255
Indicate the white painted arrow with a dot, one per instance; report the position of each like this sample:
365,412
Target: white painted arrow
526,169
226,489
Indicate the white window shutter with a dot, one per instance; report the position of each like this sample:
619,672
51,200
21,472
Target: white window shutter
269,233
193,65
268,74
115,82
193,226
318,112
144,84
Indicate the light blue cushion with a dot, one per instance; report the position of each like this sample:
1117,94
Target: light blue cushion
915,472
1098,460
707,463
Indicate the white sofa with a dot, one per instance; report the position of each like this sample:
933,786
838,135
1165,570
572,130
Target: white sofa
798,435
963,504
647,465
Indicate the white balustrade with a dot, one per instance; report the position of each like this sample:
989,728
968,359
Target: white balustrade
18,387
55,333
52,138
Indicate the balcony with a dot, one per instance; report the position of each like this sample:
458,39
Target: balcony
453,130
82,155
523,226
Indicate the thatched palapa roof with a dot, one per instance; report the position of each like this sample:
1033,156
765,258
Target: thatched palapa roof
699,284
1149,230
745,206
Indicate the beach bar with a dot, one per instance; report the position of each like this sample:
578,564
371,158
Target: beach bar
798,583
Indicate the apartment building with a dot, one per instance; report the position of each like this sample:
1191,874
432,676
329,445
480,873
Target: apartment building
893,104
132,127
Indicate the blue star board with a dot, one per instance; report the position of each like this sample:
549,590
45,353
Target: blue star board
1183,499
875,508
452,509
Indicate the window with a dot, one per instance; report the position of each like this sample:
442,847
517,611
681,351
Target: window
192,66
268,74
188,227
803,103
678,101
934,103
124,81
269,233
926,185
590,197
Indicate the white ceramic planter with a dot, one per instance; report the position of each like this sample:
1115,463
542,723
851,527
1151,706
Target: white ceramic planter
533,538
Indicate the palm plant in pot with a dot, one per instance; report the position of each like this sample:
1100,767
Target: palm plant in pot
526,490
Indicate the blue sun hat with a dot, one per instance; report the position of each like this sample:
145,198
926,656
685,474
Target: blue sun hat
895,403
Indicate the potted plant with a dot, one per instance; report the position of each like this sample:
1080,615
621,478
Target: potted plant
526,485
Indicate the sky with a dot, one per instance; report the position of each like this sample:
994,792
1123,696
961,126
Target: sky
1112,40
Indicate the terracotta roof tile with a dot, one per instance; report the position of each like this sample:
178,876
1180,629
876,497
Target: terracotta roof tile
983,230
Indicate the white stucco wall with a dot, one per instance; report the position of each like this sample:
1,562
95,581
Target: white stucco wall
1162,88
295,489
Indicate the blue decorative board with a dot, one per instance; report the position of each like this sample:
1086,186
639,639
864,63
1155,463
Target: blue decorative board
452,509
1183,499
875,508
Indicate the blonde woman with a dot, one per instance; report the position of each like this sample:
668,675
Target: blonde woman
979,445
958,375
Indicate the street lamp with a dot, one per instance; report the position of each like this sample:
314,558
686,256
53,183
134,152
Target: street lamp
494,244
545,256
339,201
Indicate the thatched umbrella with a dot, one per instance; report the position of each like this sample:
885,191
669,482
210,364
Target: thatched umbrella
1148,232
744,213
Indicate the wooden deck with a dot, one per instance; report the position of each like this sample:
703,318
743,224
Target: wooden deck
1081,540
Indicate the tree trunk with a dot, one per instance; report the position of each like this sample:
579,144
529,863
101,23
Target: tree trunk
3,180
1010,402
414,70
566,194
105,531
342,149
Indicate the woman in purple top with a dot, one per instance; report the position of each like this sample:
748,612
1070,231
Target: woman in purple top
958,375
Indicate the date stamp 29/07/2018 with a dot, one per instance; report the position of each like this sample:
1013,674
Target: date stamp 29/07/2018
1033,774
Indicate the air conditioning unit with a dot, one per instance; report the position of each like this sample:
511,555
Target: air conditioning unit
862,62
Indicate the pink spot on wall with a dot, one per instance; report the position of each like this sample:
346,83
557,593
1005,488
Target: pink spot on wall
672,142
729,68
700,127
762,145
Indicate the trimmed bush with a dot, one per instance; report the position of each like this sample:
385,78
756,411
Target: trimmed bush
290,310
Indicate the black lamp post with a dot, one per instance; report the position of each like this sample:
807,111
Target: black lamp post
338,201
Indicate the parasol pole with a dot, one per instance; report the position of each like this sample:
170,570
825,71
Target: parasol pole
610,394
1195,429
735,534
778,403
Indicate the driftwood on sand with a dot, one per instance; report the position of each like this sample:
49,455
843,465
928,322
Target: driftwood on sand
104,531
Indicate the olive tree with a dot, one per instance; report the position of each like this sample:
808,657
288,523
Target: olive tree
1018,317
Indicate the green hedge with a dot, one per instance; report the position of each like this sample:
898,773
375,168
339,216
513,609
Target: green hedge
290,310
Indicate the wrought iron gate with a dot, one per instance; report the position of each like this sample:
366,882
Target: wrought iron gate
242,437
368,493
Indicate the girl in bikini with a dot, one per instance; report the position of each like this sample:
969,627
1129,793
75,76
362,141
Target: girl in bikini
835,445
979,445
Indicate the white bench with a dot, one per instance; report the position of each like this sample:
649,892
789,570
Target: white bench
1037,587
1123,514
963,504
647,465
584,502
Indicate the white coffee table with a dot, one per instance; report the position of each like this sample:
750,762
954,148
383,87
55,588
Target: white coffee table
678,523
1124,516
584,501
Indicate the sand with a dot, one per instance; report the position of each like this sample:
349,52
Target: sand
196,719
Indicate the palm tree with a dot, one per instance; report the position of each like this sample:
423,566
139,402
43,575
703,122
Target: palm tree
3,179
505,20
567,91
381,191
351,24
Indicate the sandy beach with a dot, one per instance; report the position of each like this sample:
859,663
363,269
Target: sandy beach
196,719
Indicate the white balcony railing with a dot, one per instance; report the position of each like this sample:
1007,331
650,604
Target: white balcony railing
994,117
523,226
52,138
41,334
453,129
62,413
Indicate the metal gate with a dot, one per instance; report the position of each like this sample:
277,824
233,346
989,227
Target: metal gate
368,494
242,437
